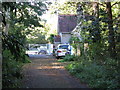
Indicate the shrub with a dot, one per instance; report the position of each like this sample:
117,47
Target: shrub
96,76
69,58
13,60
11,71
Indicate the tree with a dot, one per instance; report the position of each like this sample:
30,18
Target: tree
51,38
22,13
100,30
17,20
94,27
63,8
96,22
111,40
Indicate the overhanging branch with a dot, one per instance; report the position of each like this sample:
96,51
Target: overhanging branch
102,4
115,4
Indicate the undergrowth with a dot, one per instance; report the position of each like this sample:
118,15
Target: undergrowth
96,75
70,58
11,70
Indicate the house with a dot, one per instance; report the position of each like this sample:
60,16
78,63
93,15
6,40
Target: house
66,23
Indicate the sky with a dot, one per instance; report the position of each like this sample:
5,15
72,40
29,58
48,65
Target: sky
52,19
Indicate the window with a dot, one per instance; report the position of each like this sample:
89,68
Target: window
63,46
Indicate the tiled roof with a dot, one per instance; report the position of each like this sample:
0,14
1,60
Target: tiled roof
66,23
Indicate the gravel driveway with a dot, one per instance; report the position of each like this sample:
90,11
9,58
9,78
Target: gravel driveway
46,72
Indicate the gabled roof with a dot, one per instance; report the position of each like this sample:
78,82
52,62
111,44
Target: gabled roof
66,23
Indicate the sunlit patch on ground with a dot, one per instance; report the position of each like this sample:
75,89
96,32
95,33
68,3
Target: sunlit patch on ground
51,67
45,71
56,63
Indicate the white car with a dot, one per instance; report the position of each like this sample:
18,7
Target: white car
32,51
62,50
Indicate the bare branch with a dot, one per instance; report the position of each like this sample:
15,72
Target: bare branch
115,4
117,18
102,4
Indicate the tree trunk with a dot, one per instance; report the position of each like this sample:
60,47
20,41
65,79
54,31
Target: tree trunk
5,21
111,38
96,29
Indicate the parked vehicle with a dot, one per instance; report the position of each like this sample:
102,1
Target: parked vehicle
32,51
62,50
42,52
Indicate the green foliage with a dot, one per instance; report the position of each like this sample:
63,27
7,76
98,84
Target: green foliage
24,18
74,41
13,59
11,71
25,13
96,32
63,8
37,35
51,38
14,43
95,75
95,65
67,8
60,60
21,18
37,38
70,58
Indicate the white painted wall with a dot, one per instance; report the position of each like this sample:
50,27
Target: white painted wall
65,37
50,49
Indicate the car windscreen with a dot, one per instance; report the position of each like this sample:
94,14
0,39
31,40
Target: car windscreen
33,49
63,47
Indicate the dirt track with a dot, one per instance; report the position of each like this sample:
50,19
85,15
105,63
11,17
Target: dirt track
47,72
